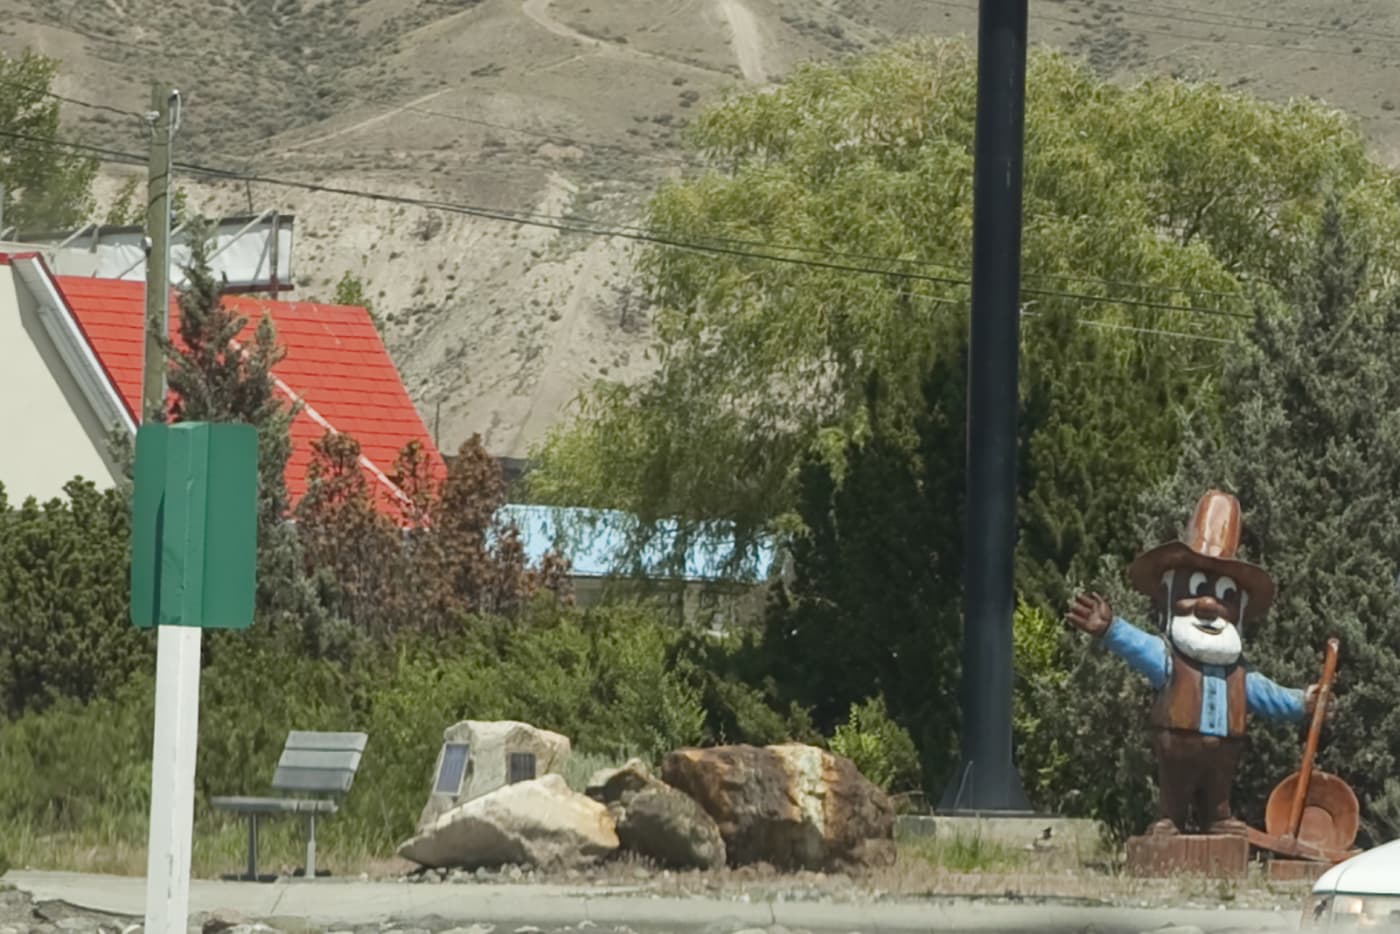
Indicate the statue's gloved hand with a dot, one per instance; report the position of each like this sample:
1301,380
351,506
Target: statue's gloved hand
1089,612
1310,702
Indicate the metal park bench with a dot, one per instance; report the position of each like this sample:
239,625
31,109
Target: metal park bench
322,764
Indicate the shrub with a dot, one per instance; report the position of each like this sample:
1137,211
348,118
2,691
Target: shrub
882,749
618,680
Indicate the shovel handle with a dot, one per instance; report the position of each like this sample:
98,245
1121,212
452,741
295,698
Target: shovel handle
1324,691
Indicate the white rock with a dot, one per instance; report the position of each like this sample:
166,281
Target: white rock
490,744
538,823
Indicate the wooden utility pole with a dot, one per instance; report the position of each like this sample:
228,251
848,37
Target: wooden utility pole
177,646
164,104
986,779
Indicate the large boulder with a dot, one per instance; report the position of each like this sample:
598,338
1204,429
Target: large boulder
657,821
792,806
670,827
611,786
541,822
490,745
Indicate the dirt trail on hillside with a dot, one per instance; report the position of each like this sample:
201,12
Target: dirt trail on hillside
365,124
746,40
538,12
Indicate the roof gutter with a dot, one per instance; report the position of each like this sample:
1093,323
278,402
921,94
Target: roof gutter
73,348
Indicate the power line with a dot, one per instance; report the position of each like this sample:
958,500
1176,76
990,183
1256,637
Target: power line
1262,24
1158,332
827,251
565,225
1280,47
35,89
1085,322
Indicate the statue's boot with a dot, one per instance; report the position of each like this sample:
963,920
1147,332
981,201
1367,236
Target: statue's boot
1166,827
1232,826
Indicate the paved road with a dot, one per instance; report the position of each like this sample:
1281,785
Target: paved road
333,903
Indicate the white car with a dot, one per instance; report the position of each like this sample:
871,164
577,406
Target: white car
1361,893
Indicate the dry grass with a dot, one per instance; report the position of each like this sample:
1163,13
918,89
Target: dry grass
922,870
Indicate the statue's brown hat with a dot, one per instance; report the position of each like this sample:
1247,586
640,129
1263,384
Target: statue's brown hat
1210,544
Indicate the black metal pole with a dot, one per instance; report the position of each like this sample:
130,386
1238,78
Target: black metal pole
986,779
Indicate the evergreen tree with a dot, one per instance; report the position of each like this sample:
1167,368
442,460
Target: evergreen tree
1309,440
215,375
64,630
874,606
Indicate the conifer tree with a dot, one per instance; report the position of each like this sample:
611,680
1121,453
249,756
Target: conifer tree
1309,440
216,375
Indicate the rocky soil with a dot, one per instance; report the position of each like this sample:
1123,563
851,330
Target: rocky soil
911,878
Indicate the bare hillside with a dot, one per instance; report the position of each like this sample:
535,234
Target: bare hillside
566,107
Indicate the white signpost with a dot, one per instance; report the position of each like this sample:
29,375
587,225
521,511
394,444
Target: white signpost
172,780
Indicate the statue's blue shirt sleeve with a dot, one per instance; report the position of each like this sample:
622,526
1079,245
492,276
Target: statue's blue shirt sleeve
1267,699
1145,653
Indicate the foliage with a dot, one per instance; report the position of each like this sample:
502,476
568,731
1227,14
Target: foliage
446,553
1039,663
350,290
882,750
1163,192
47,187
128,208
77,766
217,374
1384,823
962,853
1309,441
874,601
617,681
1151,211
126,205
64,630
1311,446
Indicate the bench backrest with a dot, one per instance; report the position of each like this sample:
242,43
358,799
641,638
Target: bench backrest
319,763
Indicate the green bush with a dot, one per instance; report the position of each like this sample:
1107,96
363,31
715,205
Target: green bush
618,680
882,749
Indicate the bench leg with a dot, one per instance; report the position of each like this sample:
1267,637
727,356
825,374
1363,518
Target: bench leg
252,848
311,846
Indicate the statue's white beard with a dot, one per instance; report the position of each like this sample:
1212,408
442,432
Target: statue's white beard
1209,648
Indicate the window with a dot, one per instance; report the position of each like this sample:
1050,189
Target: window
452,769
522,767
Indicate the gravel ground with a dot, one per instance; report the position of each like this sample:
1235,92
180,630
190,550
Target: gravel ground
909,878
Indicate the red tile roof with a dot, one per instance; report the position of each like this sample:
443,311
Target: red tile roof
335,365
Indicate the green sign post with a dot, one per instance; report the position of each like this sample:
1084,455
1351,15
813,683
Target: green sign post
194,525
193,559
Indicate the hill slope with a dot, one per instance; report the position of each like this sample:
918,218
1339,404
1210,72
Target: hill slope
565,107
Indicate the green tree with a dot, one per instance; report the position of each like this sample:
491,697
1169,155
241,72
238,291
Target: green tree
64,631
1163,193
350,290
1309,440
46,185
217,375
1151,211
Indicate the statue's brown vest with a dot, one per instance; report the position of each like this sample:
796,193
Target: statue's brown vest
1178,705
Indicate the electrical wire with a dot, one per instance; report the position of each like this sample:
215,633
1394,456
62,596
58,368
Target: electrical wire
555,222
1279,47
35,89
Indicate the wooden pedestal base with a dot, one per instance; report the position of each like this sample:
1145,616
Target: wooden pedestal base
1216,856
1296,870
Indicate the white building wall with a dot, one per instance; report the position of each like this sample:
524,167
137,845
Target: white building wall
49,432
